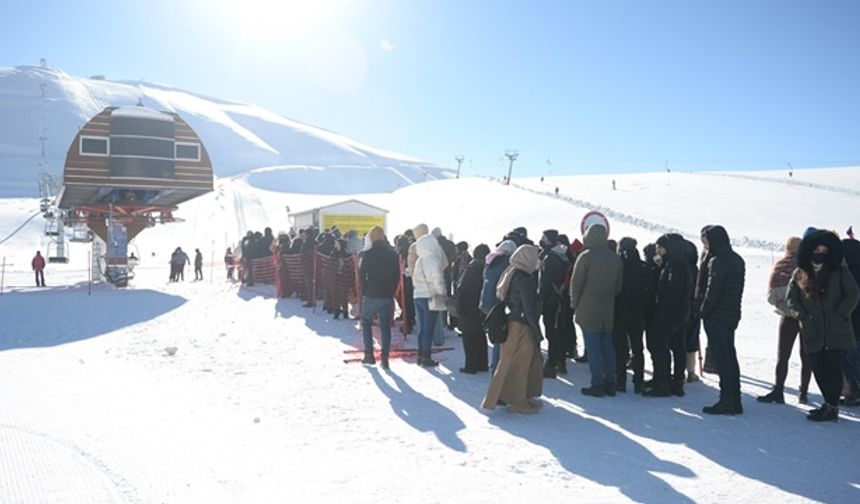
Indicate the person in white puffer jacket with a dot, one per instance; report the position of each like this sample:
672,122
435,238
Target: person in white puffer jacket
428,279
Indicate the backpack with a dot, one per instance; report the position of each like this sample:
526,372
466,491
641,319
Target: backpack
496,323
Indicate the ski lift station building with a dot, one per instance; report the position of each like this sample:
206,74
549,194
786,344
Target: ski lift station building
346,215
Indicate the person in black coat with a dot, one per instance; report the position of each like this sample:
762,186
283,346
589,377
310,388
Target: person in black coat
851,364
469,316
630,316
721,312
379,274
552,270
672,315
198,265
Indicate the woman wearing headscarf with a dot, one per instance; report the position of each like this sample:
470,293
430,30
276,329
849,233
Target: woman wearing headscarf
822,295
789,327
518,380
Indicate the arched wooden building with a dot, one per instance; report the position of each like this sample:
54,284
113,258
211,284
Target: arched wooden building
135,164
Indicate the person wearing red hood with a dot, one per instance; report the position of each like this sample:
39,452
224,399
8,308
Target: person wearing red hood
38,264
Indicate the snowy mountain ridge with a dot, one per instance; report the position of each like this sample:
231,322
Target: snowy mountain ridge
240,137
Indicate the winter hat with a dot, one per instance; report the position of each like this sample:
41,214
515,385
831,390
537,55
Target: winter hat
376,234
463,247
506,247
791,245
809,231
481,252
437,233
420,230
627,243
521,231
564,240
551,237
612,244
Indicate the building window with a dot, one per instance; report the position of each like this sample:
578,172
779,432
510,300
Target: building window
189,151
94,146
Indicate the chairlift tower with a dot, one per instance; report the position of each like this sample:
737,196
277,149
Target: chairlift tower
459,160
512,155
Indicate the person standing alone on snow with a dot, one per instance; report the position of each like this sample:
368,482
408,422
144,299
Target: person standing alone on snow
38,264
198,265
721,312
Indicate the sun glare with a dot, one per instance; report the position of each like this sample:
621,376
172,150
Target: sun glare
268,19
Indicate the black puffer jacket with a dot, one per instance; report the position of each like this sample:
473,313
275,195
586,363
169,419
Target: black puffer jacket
630,303
851,249
726,273
674,285
523,302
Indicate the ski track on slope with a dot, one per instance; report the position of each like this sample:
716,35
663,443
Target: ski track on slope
20,227
127,492
790,182
742,242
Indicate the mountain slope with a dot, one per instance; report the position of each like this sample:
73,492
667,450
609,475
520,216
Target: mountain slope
240,137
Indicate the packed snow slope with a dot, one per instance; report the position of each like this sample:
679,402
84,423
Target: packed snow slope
257,405
240,137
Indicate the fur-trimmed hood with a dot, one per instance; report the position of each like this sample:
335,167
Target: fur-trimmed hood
835,253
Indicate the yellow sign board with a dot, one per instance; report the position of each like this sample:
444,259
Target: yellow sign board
360,223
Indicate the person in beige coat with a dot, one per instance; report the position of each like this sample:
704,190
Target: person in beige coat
518,380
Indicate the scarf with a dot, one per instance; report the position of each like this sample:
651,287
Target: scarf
525,259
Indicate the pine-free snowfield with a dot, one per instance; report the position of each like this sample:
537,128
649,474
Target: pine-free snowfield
256,404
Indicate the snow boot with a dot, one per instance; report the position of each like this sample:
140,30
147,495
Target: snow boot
826,413
677,388
775,396
610,389
384,363
658,390
802,398
721,408
368,359
561,368
594,391
549,371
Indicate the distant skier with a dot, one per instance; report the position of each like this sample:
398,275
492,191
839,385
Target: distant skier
556,191
198,265
613,184
38,264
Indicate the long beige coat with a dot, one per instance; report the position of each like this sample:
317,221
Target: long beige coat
519,377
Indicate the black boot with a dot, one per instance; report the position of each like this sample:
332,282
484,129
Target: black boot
561,368
658,390
583,358
802,397
774,397
549,371
384,363
610,389
826,413
723,407
621,386
677,388
368,359
594,391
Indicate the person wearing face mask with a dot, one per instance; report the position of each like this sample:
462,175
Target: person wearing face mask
518,381
721,312
822,295
674,294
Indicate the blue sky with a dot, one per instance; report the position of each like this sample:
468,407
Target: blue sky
595,86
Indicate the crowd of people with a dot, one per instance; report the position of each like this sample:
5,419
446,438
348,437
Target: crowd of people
624,304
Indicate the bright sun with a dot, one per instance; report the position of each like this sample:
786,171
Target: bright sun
266,19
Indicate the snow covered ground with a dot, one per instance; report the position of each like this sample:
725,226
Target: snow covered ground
256,405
